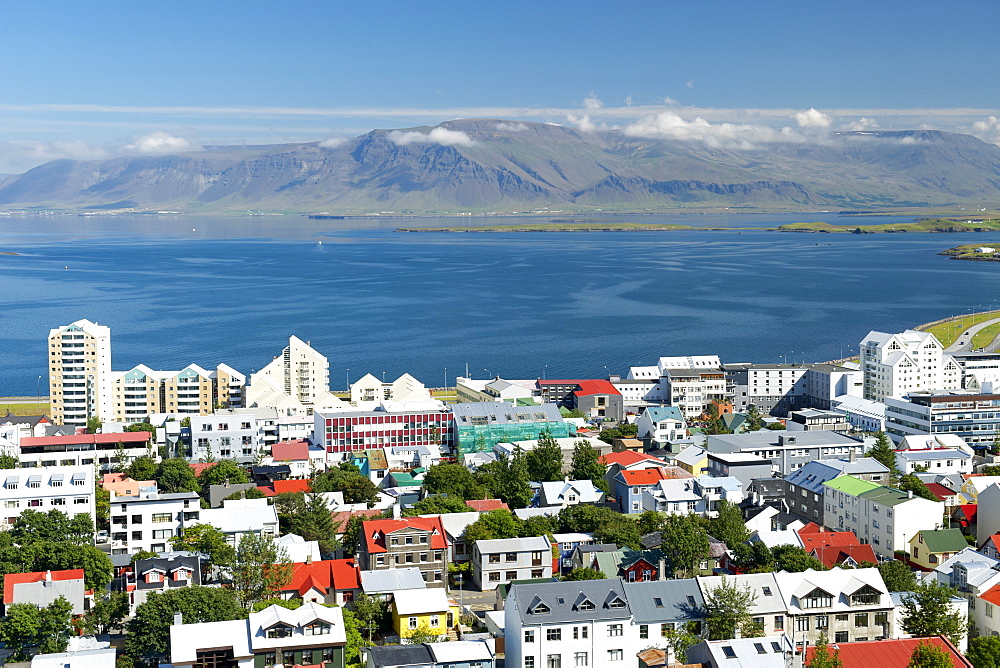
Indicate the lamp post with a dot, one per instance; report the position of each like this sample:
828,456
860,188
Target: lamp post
38,391
446,378
348,379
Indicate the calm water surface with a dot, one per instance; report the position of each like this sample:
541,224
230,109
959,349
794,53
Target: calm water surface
177,290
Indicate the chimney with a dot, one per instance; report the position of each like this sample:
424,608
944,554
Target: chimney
909,493
48,576
178,619
309,558
853,456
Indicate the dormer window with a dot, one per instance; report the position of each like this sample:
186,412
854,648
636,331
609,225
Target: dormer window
540,609
865,596
586,604
279,631
817,598
317,628
616,603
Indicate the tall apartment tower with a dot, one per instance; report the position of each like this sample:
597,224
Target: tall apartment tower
299,372
895,364
80,383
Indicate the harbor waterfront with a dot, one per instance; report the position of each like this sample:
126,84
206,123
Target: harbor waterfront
182,289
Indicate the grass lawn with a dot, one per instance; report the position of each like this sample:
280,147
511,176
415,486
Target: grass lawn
25,409
985,336
947,332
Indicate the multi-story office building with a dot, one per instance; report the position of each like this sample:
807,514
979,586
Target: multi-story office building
146,523
68,489
80,373
141,391
788,451
897,364
781,388
965,413
354,431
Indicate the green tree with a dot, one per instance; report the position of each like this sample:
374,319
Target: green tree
370,612
776,426
108,613
897,576
685,543
584,574
222,472
33,526
316,523
544,461
494,524
102,507
260,569
9,462
60,556
794,559
753,557
352,650
884,453
927,612
454,480
208,540
508,479
649,521
729,526
148,634
911,483
928,655
142,554
754,420
539,525
141,426
586,465
251,493
27,626
93,425
727,608
822,657
621,530
438,504
682,639
346,478
714,424
984,652
176,475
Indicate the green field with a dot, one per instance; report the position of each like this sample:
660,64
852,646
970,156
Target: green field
922,225
985,336
947,332
25,409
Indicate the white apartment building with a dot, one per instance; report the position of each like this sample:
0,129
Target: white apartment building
240,434
80,373
238,517
149,521
884,517
663,425
141,391
296,381
965,413
896,364
780,388
699,495
501,561
69,489
693,389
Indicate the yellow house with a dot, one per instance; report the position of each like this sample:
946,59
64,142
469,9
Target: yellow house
693,459
424,610
928,549
976,484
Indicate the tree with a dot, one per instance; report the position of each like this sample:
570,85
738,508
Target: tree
727,608
93,425
102,507
682,639
714,424
754,420
753,557
584,574
251,493
775,426
208,540
316,523
508,478
928,655
438,504
539,525
984,652
27,625
346,478
545,462
175,475
883,453
108,613
586,465
369,611
494,524
794,559
911,483
897,576
649,521
822,658
222,472
142,554
9,462
97,567
619,529
686,544
141,426
260,570
352,650
32,526
149,630
927,612
729,526
454,480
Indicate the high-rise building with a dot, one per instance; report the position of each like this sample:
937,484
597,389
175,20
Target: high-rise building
296,381
142,391
80,373
897,364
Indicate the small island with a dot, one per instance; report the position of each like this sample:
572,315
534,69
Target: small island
974,252
8,253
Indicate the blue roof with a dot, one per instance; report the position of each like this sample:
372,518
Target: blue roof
658,413
813,474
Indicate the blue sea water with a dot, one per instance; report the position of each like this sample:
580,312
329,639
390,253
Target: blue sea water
183,289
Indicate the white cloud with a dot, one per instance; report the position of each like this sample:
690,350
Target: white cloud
19,156
988,129
511,127
442,136
670,101
690,84
592,102
332,142
863,123
583,123
669,125
628,100
812,119
160,143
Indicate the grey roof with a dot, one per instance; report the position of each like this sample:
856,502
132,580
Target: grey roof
815,473
392,579
599,547
501,412
531,543
933,454
769,439
401,655
665,600
563,601
156,496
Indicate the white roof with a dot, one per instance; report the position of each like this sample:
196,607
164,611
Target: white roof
571,537
530,543
556,493
240,519
840,583
88,658
461,651
187,639
306,614
776,538
691,455
420,601
455,523
758,583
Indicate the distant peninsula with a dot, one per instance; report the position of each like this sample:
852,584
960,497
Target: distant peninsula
975,252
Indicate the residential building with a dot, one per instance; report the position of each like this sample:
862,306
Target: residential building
551,625
693,459
354,431
988,511
309,635
938,460
141,392
45,587
239,517
662,606
507,559
895,365
331,582
630,485
90,450
812,419
80,373
693,389
744,466
930,547
884,517
835,548
407,542
477,427
596,399
242,435
303,458
455,654
974,485
692,495
778,389
163,573
427,611
566,543
769,609
103,655
973,417
662,426
804,489
120,484
68,489
470,390
775,651
564,493
862,414
298,548
788,451
295,382
146,523
972,574
894,653
455,524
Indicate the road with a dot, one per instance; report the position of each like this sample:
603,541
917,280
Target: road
963,343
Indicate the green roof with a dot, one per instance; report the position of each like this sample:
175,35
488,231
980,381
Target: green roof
525,401
887,496
851,485
944,540
405,480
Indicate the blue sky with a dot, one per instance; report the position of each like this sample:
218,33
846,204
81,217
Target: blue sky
93,80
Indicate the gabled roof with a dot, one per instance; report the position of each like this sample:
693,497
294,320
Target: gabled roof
486,505
420,601
991,595
285,486
375,532
660,413
589,387
559,598
627,458
11,579
400,655
391,580
813,539
287,451
966,513
665,600
887,653
834,555
641,476
943,540
939,490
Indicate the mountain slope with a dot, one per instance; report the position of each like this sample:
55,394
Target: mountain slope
491,165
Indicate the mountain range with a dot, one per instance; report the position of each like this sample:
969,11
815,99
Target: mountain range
490,165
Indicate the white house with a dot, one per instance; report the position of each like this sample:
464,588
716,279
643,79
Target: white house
504,560
563,493
692,495
237,517
939,453
662,425
973,575
146,523
69,489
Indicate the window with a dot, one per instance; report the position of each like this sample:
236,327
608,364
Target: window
643,631
537,573
553,661
842,618
529,662
779,623
553,634
665,629
801,623
728,652
759,647
658,602
614,630
529,636
317,628
881,618
616,654
579,632
413,622
494,558
494,577
162,517
861,619
80,500
510,556
11,504
580,658
822,622
511,575
279,631
841,636
163,533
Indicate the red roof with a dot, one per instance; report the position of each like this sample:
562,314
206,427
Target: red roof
831,555
812,527
992,595
588,387
340,519
199,468
88,439
940,491
486,505
967,513
285,486
643,476
887,653
994,540
816,539
12,579
376,530
336,574
627,458
290,451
